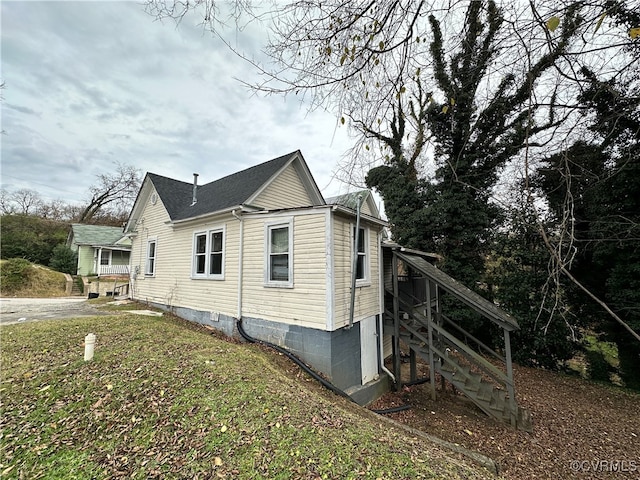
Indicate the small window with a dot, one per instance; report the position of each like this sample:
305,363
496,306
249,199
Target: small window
215,256
201,254
208,254
279,255
105,257
151,258
362,264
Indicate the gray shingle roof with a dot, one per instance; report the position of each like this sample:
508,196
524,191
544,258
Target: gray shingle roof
95,234
349,200
227,192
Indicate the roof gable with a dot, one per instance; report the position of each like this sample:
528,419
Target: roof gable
350,200
226,193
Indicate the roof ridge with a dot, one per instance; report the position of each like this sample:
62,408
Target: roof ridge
253,167
151,174
226,192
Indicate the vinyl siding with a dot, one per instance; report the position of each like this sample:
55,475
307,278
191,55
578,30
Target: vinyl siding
286,191
172,283
305,303
366,209
367,297
86,262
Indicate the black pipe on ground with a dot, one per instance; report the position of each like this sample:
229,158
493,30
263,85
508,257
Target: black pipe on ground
419,381
325,383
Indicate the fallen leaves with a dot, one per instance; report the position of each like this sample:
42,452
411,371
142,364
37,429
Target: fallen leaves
573,420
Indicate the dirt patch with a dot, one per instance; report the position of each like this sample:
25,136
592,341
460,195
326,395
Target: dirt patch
20,310
581,429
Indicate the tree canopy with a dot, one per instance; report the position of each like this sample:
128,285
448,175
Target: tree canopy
454,106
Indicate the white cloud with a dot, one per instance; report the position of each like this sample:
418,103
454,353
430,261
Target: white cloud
92,83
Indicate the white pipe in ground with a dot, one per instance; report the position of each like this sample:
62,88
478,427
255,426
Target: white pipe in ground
89,345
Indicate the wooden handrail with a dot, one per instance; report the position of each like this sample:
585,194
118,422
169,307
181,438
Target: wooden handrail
488,367
478,342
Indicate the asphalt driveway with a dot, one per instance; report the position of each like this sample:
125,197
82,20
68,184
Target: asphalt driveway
19,310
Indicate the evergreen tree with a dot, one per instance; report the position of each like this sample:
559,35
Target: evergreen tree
31,237
64,260
599,183
521,282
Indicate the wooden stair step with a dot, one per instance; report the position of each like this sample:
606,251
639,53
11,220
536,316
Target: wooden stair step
485,392
489,398
498,400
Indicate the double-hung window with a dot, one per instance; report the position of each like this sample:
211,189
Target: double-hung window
279,254
105,257
208,254
150,268
361,260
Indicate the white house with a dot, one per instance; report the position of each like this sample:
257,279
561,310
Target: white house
263,245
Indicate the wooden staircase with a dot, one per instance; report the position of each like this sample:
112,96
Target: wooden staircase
463,375
449,350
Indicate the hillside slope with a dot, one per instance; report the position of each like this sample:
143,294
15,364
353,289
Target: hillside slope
165,399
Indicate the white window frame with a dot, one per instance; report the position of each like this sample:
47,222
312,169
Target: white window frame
102,251
366,279
268,228
207,254
151,272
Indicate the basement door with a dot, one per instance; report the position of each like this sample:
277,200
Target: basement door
368,349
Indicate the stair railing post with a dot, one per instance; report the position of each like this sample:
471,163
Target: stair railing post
510,384
439,323
396,324
432,365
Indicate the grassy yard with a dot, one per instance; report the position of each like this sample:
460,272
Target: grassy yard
165,399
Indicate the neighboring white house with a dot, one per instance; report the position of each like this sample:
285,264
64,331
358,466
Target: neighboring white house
263,245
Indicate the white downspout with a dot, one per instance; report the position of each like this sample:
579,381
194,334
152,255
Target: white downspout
240,261
381,307
354,271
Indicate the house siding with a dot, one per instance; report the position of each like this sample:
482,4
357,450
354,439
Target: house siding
367,298
286,191
86,260
366,209
172,284
305,303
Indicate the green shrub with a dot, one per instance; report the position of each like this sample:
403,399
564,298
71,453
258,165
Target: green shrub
598,367
15,274
64,259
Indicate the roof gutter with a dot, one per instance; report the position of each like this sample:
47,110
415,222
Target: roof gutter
204,215
349,211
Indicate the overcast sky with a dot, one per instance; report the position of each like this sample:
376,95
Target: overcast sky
89,84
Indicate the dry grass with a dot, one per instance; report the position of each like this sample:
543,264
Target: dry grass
40,281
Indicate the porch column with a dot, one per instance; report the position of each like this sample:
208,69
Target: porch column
98,261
